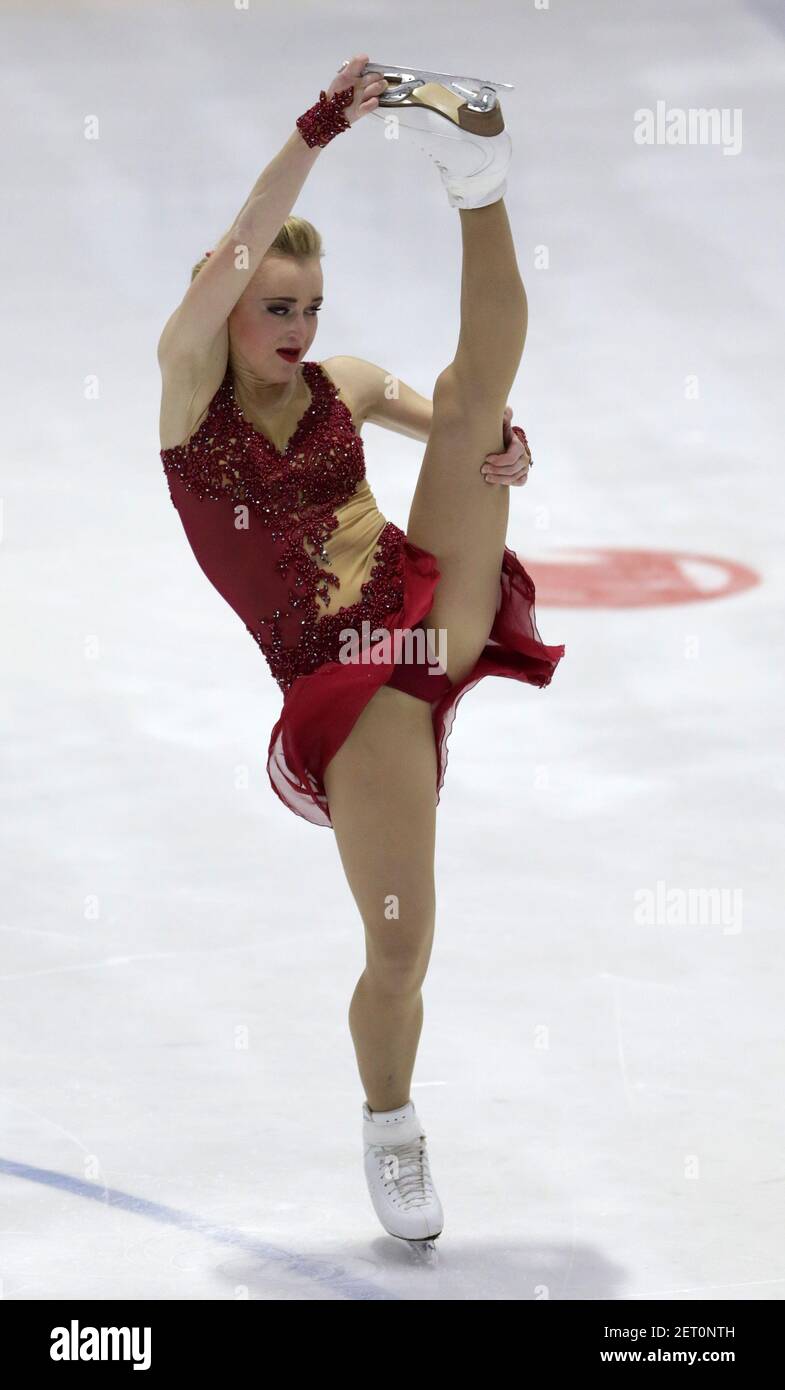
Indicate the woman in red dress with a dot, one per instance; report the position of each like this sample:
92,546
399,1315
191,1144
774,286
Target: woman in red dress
373,634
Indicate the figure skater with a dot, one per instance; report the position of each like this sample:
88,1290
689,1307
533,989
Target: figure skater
262,452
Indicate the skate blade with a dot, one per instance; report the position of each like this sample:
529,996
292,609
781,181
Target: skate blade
424,1249
480,97
407,73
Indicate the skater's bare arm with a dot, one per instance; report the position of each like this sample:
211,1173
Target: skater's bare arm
212,295
383,399
191,330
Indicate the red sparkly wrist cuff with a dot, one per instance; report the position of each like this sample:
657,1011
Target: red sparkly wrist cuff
324,120
516,429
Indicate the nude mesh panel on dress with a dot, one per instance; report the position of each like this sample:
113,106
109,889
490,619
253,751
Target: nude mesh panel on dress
351,548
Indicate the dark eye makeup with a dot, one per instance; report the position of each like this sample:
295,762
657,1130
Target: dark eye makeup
276,308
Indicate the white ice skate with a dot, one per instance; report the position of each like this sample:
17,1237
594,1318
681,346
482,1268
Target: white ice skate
458,122
399,1178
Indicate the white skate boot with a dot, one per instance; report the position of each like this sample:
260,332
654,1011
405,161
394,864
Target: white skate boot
458,122
399,1178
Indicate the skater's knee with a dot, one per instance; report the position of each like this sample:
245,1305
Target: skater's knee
396,977
449,397
465,402
397,954
456,391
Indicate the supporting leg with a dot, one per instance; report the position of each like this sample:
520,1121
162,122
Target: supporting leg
381,787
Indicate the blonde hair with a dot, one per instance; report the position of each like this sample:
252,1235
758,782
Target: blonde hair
297,237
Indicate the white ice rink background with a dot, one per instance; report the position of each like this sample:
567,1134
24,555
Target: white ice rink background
600,1070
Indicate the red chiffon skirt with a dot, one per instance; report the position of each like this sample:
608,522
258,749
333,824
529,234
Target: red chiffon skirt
320,709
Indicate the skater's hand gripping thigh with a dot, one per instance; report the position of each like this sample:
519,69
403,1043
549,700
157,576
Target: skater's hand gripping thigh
510,468
366,89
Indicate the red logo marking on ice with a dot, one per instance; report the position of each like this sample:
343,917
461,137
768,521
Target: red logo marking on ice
607,578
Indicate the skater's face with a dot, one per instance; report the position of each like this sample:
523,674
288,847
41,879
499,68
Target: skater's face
278,309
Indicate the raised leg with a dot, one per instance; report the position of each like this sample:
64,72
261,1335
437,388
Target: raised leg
381,786
454,512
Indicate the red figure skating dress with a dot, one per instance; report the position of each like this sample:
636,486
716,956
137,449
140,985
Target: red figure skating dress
286,538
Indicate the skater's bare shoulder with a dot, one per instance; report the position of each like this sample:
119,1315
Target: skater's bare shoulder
378,396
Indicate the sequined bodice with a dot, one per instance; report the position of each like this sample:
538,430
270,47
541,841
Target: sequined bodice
227,455
259,519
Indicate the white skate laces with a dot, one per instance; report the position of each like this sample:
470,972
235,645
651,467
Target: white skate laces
398,1175
404,1171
